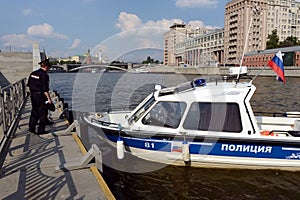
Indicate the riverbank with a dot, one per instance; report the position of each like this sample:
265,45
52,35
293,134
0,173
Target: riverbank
252,71
18,65
15,66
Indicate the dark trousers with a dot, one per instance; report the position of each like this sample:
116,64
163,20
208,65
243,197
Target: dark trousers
39,112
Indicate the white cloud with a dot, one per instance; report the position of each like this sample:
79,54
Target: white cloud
138,35
128,21
196,24
17,41
45,30
199,24
164,23
196,3
75,44
27,11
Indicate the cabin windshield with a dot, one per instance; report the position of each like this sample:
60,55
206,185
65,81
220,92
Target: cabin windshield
206,116
165,114
137,115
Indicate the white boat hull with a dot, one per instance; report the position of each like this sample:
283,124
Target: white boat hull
220,153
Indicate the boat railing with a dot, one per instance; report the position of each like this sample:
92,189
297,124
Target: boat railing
287,133
279,114
199,82
12,97
104,123
120,110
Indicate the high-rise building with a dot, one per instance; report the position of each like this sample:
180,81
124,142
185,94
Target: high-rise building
247,24
284,16
176,34
245,28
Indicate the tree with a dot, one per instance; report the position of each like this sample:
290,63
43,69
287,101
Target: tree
149,60
289,42
273,40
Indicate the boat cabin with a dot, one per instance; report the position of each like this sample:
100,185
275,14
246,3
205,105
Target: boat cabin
197,108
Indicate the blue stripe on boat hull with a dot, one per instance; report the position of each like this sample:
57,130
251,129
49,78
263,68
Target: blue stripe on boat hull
215,148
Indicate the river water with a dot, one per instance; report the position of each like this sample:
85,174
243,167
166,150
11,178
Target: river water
132,178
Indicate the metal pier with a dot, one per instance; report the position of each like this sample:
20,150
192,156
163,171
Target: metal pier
51,166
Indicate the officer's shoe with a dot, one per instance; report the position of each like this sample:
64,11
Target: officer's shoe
42,133
49,122
32,131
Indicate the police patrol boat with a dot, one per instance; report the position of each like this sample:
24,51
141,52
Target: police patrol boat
203,124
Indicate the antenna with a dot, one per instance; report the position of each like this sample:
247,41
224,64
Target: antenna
255,11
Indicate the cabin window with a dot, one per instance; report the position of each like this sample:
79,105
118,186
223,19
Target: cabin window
165,114
143,108
206,116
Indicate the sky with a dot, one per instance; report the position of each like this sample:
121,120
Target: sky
112,27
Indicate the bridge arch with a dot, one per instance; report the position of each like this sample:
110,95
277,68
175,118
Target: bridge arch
97,66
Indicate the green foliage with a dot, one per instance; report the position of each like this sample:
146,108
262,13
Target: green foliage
54,62
150,60
273,40
290,41
67,62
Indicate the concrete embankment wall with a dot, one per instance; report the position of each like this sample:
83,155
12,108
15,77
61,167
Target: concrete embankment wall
252,71
288,71
15,66
198,70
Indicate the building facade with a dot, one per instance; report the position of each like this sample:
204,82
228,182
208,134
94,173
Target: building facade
201,50
247,24
245,28
291,57
284,16
176,34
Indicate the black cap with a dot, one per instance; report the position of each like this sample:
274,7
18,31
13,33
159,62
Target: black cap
45,62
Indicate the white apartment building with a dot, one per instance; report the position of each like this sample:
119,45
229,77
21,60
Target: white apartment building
201,50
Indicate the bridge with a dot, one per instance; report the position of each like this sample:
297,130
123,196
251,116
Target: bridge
97,66
76,67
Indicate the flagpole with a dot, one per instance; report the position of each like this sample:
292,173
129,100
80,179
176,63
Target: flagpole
271,65
250,83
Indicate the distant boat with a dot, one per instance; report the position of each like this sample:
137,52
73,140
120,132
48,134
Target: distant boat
56,69
140,70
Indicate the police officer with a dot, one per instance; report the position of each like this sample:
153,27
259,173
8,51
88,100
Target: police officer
38,83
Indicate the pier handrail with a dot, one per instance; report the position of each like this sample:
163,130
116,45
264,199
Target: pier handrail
12,97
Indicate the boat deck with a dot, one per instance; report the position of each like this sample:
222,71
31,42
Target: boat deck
30,161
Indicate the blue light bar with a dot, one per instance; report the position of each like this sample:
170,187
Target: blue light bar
199,82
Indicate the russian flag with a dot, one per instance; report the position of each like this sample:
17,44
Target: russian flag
277,65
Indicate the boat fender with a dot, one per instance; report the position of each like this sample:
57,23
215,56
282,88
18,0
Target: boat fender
268,133
296,125
120,148
292,114
185,151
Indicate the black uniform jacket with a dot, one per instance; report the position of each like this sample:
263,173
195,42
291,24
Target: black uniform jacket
38,81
